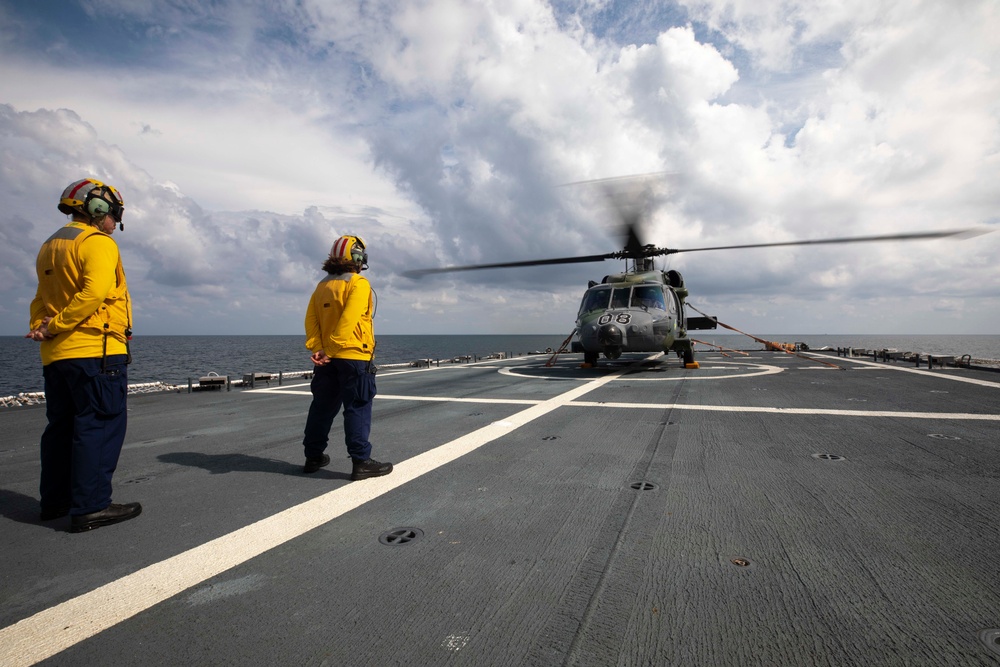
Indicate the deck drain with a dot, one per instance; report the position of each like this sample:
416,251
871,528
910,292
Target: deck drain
643,486
828,457
992,640
137,480
551,437
401,536
942,436
740,562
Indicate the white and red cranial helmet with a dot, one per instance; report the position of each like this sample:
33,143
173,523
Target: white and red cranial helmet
350,248
93,199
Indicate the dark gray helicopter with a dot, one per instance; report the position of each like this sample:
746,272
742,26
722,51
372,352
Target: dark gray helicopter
643,309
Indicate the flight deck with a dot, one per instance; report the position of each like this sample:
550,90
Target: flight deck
759,510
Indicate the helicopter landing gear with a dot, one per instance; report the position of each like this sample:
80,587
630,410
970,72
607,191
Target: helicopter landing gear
590,358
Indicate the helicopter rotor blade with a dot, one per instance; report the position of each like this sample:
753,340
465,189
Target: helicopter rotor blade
631,178
917,236
631,200
420,273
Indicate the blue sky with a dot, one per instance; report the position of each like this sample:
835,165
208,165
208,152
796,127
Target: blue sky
246,136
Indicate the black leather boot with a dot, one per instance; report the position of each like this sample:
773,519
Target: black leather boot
370,468
111,514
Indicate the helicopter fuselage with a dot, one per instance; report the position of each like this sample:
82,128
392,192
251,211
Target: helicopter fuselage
633,312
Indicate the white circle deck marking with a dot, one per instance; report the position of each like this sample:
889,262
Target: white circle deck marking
763,369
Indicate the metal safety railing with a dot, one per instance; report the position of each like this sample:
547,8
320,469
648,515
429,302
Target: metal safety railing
918,358
38,397
251,380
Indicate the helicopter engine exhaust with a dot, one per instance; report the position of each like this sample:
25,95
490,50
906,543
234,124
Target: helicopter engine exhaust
611,338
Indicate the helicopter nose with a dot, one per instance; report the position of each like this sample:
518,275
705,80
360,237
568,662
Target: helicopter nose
609,334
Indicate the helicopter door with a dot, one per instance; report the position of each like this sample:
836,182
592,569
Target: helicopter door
673,303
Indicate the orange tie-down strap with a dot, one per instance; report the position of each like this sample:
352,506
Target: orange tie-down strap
562,348
769,344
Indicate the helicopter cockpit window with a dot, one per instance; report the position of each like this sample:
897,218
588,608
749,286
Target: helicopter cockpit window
620,297
595,299
648,297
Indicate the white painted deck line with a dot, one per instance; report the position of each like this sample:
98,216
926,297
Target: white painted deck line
942,374
971,416
954,416
57,628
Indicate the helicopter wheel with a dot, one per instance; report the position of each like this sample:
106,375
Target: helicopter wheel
688,357
590,358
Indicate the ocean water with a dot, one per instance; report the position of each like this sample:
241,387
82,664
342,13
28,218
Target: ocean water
174,359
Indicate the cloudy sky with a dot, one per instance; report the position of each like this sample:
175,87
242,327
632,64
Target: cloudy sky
245,135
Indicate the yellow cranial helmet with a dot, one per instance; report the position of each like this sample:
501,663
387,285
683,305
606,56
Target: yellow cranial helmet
350,248
93,199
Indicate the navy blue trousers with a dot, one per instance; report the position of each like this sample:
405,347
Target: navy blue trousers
83,440
342,383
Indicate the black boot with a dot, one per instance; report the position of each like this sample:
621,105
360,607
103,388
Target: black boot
369,468
312,465
111,514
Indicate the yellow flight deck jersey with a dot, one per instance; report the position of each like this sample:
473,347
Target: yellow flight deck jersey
339,318
81,286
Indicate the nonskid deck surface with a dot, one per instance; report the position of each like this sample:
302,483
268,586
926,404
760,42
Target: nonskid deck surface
762,510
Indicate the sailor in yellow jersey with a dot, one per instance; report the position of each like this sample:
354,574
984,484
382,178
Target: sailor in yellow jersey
82,315
340,336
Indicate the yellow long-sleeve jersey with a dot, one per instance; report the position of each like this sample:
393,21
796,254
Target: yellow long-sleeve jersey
339,317
81,286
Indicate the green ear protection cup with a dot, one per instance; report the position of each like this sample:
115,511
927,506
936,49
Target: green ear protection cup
96,207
